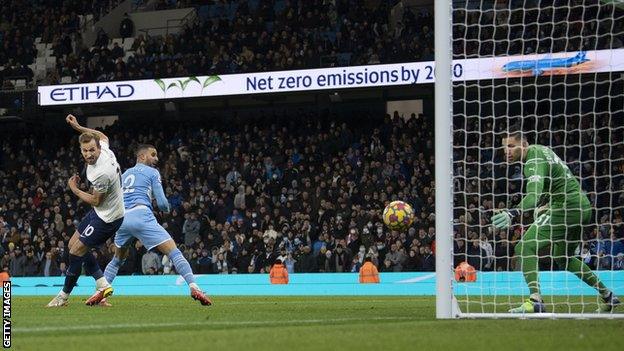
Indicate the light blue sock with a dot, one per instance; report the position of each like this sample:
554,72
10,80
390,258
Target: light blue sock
112,268
182,266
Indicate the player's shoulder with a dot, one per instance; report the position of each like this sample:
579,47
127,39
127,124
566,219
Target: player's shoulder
102,171
152,171
145,170
537,152
130,170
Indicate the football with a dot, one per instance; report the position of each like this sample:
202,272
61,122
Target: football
398,215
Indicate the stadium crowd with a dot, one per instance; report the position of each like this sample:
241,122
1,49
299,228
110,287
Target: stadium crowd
252,36
536,27
257,36
303,188
307,190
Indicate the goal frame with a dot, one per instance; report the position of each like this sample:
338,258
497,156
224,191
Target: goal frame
446,303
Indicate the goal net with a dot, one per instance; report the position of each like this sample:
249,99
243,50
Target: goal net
553,68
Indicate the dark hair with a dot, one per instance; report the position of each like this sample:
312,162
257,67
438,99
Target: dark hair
368,259
278,261
143,147
515,131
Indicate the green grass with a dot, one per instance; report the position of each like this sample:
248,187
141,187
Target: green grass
290,323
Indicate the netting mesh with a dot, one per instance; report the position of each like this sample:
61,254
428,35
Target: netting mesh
575,111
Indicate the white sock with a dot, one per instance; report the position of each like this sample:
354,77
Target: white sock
63,295
194,286
536,297
102,283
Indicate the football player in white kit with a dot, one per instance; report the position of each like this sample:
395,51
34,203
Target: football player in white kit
104,219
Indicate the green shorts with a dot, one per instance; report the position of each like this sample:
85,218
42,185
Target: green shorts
559,227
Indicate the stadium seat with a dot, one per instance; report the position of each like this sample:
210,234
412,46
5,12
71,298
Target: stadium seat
127,55
127,43
19,83
66,80
50,62
119,42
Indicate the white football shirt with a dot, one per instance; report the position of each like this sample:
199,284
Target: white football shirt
105,176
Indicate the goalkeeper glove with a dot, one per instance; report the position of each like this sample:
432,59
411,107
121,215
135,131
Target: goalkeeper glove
503,219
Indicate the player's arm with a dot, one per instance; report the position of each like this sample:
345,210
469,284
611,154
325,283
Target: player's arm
535,172
159,194
73,122
93,199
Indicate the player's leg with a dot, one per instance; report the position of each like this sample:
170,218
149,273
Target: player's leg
76,258
118,260
527,250
122,238
563,253
183,268
93,269
99,233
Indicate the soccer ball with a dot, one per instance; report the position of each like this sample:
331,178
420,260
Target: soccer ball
398,215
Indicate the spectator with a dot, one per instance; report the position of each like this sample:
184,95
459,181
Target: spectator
4,275
221,265
190,230
342,260
428,259
49,266
395,257
368,272
618,264
278,273
290,263
204,263
307,261
150,263
31,264
18,263
387,266
126,27
413,263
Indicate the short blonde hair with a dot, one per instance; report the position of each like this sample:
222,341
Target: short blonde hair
87,137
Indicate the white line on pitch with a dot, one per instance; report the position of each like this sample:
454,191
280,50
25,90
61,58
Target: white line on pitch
181,324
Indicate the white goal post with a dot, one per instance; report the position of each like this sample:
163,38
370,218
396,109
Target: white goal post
555,77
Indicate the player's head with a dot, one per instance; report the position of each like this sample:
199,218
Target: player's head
515,144
90,147
147,155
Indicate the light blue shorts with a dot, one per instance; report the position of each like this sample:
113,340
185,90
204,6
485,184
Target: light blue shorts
139,222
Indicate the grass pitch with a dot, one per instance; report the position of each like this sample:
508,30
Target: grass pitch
289,323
